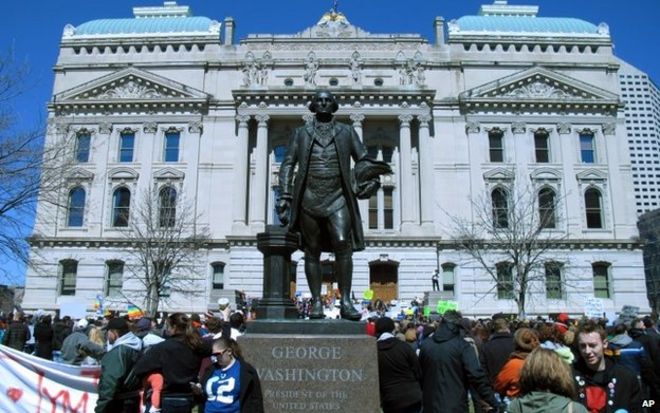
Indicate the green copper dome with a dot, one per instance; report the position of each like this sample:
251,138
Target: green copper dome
525,24
145,26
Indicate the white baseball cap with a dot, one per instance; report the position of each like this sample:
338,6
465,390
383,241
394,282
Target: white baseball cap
223,301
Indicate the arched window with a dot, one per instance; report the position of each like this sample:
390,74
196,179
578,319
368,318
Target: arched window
68,275
121,205
448,276
167,207
115,279
218,269
83,141
500,208
504,280
547,208
496,145
593,205
542,146
601,273
76,207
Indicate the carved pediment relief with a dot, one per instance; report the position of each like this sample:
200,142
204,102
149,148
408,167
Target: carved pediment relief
130,84
123,173
79,174
169,174
499,175
545,174
591,175
539,84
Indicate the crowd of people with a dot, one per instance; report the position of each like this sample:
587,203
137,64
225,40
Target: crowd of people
446,363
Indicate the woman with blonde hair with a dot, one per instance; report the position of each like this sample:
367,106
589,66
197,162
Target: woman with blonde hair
546,386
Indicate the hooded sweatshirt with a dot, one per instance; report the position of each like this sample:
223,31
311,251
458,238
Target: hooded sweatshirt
544,402
399,373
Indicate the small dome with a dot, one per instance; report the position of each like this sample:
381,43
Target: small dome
524,24
145,25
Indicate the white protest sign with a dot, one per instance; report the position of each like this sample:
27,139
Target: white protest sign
74,309
593,307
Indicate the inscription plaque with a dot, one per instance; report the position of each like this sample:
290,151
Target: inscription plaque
308,373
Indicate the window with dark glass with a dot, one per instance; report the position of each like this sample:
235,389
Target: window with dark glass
542,146
121,204
389,208
601,279
504,281
280,153
83,141
587,149
547,208
126,144
218,275
448,278
594,208
276,191
553,288
496,145
373,212
114,282
167,211
76,207
69,270
500,208
172,139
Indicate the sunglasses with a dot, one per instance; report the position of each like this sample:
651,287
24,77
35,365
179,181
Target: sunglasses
220,353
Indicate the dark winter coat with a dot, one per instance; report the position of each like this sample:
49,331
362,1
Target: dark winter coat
399,374
61,332
618,382
250,396
43,337
449,367
177,362
495,353
115,389
16,335
348,147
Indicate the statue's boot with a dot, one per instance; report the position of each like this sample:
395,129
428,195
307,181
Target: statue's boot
317,310
344,273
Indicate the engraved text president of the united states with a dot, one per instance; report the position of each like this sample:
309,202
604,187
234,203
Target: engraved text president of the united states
320,199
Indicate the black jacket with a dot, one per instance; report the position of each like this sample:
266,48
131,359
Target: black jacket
495,353
16,335
399,374
620,385
450,366
177,362
251,399
43,337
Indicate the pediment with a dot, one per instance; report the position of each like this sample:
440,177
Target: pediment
541,86
545,174
130,84
123,173
80,175
499,174
591,175
169,173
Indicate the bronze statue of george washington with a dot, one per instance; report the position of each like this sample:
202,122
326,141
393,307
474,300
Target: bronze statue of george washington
320,199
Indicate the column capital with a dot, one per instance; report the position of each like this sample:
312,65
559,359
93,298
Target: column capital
150,127
424,120
262,119
357,118
405,120
242,120
195,127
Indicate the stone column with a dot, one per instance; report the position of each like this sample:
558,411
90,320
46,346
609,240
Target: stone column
258,190
363,204
407,212
426,171
241,176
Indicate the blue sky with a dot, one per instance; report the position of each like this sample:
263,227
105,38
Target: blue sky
33,29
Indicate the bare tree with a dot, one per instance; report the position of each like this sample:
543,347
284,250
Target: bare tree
166,246
30,169
513,236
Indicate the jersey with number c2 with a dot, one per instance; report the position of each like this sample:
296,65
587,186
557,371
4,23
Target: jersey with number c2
222,390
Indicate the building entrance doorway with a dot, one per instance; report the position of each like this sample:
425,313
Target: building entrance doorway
383,280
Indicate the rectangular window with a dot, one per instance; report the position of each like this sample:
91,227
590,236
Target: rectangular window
541,147
504,281
448,278
126,144
553,288
389,208
69,273
115,280
373,212
587,150
601,280
172,146
275,192
218,275
496,146
82,147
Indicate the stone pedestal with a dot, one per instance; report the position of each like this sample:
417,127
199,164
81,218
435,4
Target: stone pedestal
277,244
315,373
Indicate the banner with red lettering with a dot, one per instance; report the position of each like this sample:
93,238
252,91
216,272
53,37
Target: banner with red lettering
31,384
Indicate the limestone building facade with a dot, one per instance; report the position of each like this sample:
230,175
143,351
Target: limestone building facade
172,101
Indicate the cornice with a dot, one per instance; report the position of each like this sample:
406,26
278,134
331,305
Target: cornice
101,243
561,244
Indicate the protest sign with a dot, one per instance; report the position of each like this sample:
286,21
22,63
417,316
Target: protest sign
446,305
